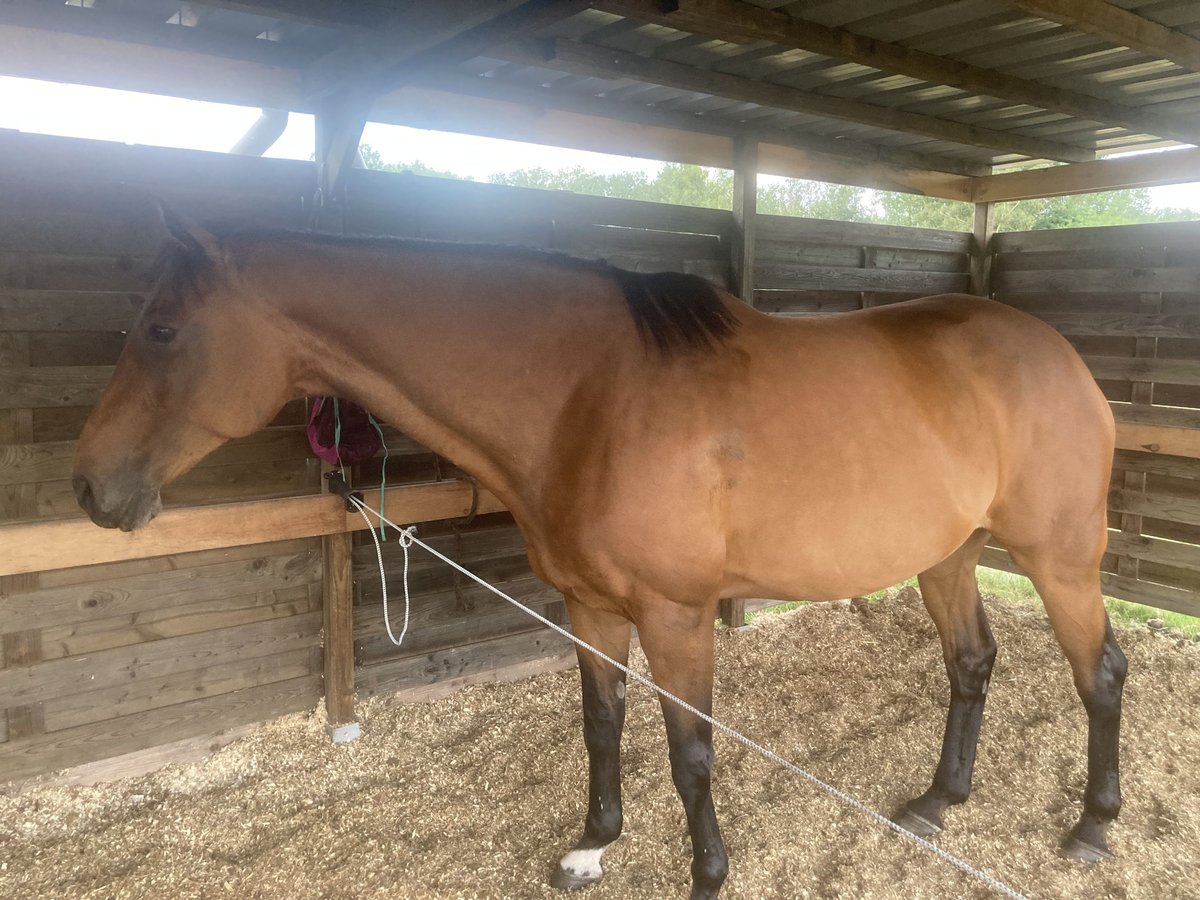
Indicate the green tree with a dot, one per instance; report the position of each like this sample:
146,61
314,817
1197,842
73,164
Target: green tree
816,200
713,188
373,159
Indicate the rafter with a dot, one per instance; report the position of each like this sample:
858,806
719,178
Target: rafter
848,149
732,20
117,26
1120,26
366,55
307,12
603,62
1143,170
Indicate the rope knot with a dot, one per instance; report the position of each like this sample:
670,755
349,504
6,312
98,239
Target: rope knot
406,536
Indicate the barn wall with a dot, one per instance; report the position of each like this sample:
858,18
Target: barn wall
1128,299
807,266
100,661
104,660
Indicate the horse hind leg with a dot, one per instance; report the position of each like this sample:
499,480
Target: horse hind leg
951,596
603,720
1072,596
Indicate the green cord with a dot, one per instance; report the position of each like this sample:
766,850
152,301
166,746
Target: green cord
382,476
337,437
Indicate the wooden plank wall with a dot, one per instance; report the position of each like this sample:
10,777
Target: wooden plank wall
460,630
806,266
1128,298
101,661
106,660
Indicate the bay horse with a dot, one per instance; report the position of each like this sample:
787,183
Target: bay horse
662,446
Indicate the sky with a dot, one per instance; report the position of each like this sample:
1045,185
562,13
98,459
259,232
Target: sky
99,113
80,111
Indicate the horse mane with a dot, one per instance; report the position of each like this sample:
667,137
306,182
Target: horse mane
674,312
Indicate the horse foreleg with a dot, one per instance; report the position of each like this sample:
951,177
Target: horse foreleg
951,596
603,719
678,642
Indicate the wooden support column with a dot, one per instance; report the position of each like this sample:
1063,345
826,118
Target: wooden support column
981,249
339,126
745,204
337,586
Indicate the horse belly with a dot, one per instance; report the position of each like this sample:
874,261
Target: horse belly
855,513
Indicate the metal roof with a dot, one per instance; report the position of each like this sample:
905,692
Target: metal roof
958,86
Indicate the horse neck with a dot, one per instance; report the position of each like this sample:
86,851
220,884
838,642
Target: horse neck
476,358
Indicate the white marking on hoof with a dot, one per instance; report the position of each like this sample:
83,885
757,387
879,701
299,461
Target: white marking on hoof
583,864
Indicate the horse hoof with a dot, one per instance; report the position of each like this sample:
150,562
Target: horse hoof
569,881
578,869
1074,848
916,824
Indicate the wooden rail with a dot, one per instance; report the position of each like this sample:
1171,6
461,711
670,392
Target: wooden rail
61,544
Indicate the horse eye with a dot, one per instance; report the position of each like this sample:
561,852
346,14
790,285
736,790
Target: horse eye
161,334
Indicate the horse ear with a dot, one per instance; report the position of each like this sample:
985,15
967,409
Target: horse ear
189,234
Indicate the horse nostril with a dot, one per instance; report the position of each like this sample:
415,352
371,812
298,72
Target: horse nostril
83,492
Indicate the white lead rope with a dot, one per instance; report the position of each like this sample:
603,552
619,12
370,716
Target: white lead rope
408,538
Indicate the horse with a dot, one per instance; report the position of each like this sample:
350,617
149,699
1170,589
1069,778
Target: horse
662,446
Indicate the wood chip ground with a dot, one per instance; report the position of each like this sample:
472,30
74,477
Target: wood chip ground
476,795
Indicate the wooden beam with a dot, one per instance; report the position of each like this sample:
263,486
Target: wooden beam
426,108
796,162
603,62
367,54
1162,439
310,12
1120,26
1143,170
105,22
61,544
859,154
106,62
731,20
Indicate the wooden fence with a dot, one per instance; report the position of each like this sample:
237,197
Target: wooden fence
807,266
1128,298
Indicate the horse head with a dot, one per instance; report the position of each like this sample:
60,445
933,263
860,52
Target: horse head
198,368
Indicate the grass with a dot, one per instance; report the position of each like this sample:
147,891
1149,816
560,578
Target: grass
1020,589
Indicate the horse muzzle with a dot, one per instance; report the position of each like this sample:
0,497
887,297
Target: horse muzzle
115,501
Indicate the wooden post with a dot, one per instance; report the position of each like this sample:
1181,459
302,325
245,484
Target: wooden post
745,204
981,249
338,593
339,125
